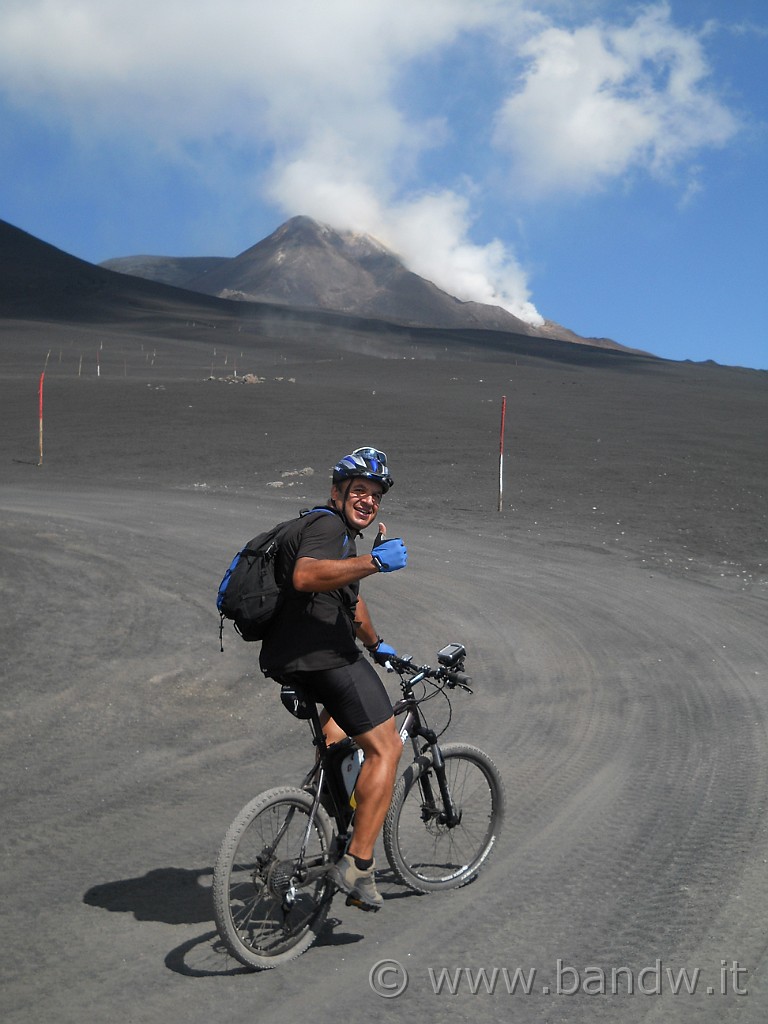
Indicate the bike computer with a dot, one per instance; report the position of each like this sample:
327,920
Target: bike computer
451,655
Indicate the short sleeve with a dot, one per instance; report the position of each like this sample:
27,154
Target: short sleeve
326,537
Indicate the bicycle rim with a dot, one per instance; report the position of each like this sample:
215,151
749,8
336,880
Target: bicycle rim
428,855
265,911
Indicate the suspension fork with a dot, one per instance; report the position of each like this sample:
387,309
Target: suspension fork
413,728
450,816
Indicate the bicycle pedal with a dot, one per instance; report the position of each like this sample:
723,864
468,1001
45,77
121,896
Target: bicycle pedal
352,901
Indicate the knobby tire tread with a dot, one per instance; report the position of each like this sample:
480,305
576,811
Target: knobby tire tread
426,857
270,807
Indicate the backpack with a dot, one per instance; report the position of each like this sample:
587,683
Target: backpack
249,593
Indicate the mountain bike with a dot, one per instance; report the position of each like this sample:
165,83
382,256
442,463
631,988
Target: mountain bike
271,887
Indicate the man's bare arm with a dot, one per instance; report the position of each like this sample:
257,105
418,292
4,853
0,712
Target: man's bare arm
320,575
363,624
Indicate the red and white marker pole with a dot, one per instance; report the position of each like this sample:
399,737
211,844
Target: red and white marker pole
501,448
40,396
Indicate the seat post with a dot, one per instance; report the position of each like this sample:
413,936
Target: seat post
318,736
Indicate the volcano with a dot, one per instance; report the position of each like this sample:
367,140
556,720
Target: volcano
311,266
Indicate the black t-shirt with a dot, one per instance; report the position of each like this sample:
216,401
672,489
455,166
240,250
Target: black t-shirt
312,631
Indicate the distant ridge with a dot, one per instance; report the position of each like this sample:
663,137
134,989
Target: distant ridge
312,266
39,281
176,271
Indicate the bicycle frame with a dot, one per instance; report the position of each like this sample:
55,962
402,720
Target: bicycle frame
326,777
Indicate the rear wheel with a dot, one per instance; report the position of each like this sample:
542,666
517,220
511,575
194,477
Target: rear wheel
269,905
428,853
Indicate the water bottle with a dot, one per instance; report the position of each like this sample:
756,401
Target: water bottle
350,769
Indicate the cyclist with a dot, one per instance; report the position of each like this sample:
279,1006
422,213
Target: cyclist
313,644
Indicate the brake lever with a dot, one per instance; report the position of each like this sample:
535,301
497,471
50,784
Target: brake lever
405,662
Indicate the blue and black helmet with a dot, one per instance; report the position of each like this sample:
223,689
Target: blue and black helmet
366,462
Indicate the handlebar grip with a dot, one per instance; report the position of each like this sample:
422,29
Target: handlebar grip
459,678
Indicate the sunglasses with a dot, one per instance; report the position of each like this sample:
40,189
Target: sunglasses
371,453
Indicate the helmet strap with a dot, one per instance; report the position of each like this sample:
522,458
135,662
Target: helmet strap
341,511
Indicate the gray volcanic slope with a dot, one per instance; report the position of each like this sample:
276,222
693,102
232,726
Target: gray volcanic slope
614,612
308,265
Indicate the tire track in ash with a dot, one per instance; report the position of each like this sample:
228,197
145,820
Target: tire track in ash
624,713
634,751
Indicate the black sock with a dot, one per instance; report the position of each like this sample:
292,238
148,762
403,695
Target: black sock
362,865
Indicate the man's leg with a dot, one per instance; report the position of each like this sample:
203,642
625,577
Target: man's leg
331,729
382,747
358,698
373,791
354,873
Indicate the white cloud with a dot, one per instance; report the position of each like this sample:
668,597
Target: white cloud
599,101
283,64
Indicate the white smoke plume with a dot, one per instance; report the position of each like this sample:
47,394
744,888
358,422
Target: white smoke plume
429,232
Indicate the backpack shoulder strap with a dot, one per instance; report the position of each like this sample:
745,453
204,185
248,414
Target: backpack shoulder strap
319,510
324,509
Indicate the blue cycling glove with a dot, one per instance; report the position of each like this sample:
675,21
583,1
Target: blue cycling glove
381,652
389,555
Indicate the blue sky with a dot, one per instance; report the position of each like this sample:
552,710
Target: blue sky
594,162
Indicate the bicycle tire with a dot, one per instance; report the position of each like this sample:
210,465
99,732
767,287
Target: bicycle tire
260,920
426,855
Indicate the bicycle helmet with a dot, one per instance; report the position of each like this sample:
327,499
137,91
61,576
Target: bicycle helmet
366,462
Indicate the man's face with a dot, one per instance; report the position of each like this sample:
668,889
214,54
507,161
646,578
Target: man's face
360,499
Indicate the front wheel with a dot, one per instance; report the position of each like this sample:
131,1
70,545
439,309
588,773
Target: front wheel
270,897
425,852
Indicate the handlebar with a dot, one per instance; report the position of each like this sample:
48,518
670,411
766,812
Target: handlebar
453,677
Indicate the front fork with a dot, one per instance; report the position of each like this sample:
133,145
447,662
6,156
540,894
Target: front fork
445,811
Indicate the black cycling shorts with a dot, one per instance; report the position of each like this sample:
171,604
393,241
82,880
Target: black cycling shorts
353,695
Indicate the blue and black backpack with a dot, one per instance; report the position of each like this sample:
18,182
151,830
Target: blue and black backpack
249,593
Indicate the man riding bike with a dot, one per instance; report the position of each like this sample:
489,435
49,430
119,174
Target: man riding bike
312,644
